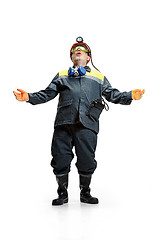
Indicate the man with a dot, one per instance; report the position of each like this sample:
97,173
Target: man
80,104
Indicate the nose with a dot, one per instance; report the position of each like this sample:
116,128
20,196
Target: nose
78,50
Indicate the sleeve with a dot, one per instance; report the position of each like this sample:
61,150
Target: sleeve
114,95
46,95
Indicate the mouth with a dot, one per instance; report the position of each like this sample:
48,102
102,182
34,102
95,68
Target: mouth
78,53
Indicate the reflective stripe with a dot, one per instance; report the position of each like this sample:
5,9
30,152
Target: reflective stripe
96,74
90,77
93,73
63,73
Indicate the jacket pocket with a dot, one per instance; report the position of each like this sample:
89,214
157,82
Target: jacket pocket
64,111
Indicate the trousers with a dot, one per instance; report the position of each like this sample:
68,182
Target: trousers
84,140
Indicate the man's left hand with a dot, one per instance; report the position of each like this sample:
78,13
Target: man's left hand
137,94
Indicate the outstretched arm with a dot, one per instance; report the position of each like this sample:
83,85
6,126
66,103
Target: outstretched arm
115,96
39,97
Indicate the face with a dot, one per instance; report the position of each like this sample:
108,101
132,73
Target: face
80,58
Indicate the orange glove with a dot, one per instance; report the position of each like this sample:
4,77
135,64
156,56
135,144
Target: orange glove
22,96
137,94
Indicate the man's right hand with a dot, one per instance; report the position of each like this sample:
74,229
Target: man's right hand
22,96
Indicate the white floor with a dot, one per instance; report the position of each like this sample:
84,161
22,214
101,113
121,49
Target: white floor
125,210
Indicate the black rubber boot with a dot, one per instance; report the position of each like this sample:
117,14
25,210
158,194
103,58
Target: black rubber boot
62,190
85,195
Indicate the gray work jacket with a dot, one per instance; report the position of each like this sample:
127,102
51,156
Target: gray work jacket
76,94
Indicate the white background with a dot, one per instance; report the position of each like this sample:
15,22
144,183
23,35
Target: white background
36,37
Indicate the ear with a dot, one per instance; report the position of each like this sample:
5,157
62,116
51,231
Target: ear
88,59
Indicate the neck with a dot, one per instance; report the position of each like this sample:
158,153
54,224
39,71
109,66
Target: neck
79,64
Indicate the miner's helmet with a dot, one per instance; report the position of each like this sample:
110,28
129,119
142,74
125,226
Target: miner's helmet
83,47
80,45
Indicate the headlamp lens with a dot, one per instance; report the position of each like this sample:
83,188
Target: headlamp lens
82,48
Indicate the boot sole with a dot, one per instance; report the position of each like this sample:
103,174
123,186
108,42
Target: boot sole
59,202
89,201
